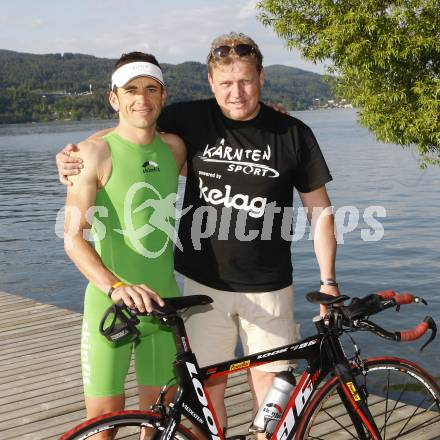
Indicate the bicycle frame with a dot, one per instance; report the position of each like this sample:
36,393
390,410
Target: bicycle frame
324,355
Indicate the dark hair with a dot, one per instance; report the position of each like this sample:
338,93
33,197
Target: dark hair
132,57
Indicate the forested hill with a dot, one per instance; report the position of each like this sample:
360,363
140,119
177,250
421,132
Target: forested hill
74,86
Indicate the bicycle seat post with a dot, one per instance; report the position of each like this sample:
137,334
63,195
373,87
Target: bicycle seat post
177,327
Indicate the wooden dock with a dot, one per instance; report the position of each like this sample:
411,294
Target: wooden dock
41,393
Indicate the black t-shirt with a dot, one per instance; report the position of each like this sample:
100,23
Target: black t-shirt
240,175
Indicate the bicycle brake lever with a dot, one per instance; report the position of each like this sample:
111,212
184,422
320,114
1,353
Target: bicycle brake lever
433,327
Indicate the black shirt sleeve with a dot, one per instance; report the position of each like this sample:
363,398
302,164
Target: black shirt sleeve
312,168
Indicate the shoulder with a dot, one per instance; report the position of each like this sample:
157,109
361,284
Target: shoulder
179,117
172,140
96,157
283,120
296,133
177,147
92,150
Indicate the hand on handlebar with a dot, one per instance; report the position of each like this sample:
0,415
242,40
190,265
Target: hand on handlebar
68,165
138,296
330,290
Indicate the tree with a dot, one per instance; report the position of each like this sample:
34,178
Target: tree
386,57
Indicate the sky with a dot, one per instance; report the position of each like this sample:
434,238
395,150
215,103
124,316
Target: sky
174,31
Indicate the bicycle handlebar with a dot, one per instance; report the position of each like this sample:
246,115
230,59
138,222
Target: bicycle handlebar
418,331
119,322
355,315
400,298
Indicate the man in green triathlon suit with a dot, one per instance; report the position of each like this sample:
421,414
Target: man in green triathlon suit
125,174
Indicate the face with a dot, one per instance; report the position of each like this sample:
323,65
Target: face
237,87
139,102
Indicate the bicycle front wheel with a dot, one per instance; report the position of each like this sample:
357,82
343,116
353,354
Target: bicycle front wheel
127,425
403,399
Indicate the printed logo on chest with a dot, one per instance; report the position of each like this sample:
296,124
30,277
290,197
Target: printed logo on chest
241,160
150,167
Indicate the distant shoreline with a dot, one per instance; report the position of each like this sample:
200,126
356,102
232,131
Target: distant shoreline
87,120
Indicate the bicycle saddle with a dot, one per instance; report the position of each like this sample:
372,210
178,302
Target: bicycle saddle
325,299
183,302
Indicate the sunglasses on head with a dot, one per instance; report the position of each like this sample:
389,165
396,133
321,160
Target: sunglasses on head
240,49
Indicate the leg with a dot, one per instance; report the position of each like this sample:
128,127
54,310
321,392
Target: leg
266,322
104,369
217,341
148,396
97,406
259,382
154,356
216,388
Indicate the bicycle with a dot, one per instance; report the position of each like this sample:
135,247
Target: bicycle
360,399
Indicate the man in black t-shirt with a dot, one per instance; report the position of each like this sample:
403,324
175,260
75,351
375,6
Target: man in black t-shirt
244,160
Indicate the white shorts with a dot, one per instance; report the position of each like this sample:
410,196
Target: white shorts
263,321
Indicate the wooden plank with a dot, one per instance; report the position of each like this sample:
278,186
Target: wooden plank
40,344
40,336
29,319
31,308
34,360
61,322
30,379
18,327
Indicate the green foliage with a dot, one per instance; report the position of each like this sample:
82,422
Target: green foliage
48,87
386,55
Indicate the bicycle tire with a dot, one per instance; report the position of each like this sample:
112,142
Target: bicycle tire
402,398
128,424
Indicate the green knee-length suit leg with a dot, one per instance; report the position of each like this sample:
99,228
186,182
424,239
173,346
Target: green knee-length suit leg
132,229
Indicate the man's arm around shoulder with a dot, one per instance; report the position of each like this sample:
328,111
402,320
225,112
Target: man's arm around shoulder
70,164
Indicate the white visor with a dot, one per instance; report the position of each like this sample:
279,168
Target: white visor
129,71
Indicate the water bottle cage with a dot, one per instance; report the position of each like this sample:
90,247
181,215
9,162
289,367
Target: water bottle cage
118,327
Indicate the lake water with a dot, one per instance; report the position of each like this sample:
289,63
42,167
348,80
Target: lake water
366,173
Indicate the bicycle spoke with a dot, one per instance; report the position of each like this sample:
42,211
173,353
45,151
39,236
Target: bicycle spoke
412,416
416,413
340,424
387,415
396,402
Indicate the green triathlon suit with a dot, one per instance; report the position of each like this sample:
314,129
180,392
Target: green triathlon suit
132,229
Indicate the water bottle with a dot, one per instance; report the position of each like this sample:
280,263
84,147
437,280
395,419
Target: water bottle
274,403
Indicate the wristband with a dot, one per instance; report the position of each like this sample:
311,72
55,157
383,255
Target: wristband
329,282
114,286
